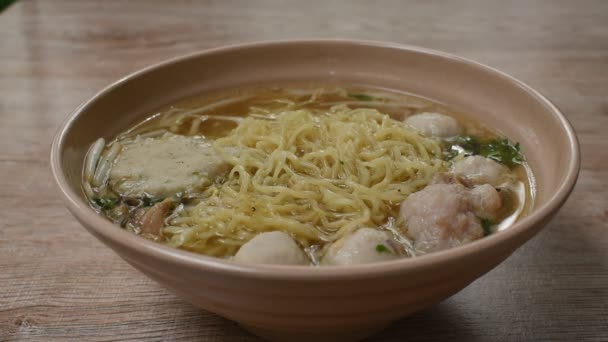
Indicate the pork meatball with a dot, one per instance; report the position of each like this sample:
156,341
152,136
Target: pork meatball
439,217
434,125
486,201
480,170
276,248
363,246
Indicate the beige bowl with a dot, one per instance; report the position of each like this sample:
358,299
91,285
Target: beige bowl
289,302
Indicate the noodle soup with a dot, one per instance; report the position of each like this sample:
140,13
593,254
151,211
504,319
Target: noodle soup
309,176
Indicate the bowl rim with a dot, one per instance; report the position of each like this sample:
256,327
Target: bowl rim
105,230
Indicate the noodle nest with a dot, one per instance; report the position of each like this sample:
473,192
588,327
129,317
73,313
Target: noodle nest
317,175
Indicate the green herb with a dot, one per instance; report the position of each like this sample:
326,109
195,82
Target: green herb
467,143
5,3
105,203
450,153
150,201
500,150
361,97
382,249
460,144
487,226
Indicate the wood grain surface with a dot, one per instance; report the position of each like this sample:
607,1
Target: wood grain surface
58,283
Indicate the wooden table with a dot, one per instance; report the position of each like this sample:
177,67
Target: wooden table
58,283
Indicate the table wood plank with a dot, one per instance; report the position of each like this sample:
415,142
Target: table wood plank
58,283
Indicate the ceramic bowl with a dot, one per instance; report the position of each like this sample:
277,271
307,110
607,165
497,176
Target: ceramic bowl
330,303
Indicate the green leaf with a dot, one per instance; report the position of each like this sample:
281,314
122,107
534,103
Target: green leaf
149,201
449,154
487,226
382,249
5,3
460,144
361,97
106,203
468,143
500,150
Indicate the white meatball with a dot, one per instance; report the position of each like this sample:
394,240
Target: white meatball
271,248
486,201
434,124
480,170
440,216
363,246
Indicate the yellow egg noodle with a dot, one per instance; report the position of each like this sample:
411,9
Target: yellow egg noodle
315,174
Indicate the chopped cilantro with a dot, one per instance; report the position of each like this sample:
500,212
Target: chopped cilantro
500,149
382,249
5,3
450,153
106,203
466,143
487,226
361,97
150,201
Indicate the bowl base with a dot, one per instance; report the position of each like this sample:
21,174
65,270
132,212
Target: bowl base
338,334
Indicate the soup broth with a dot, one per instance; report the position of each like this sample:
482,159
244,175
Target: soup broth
309,174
